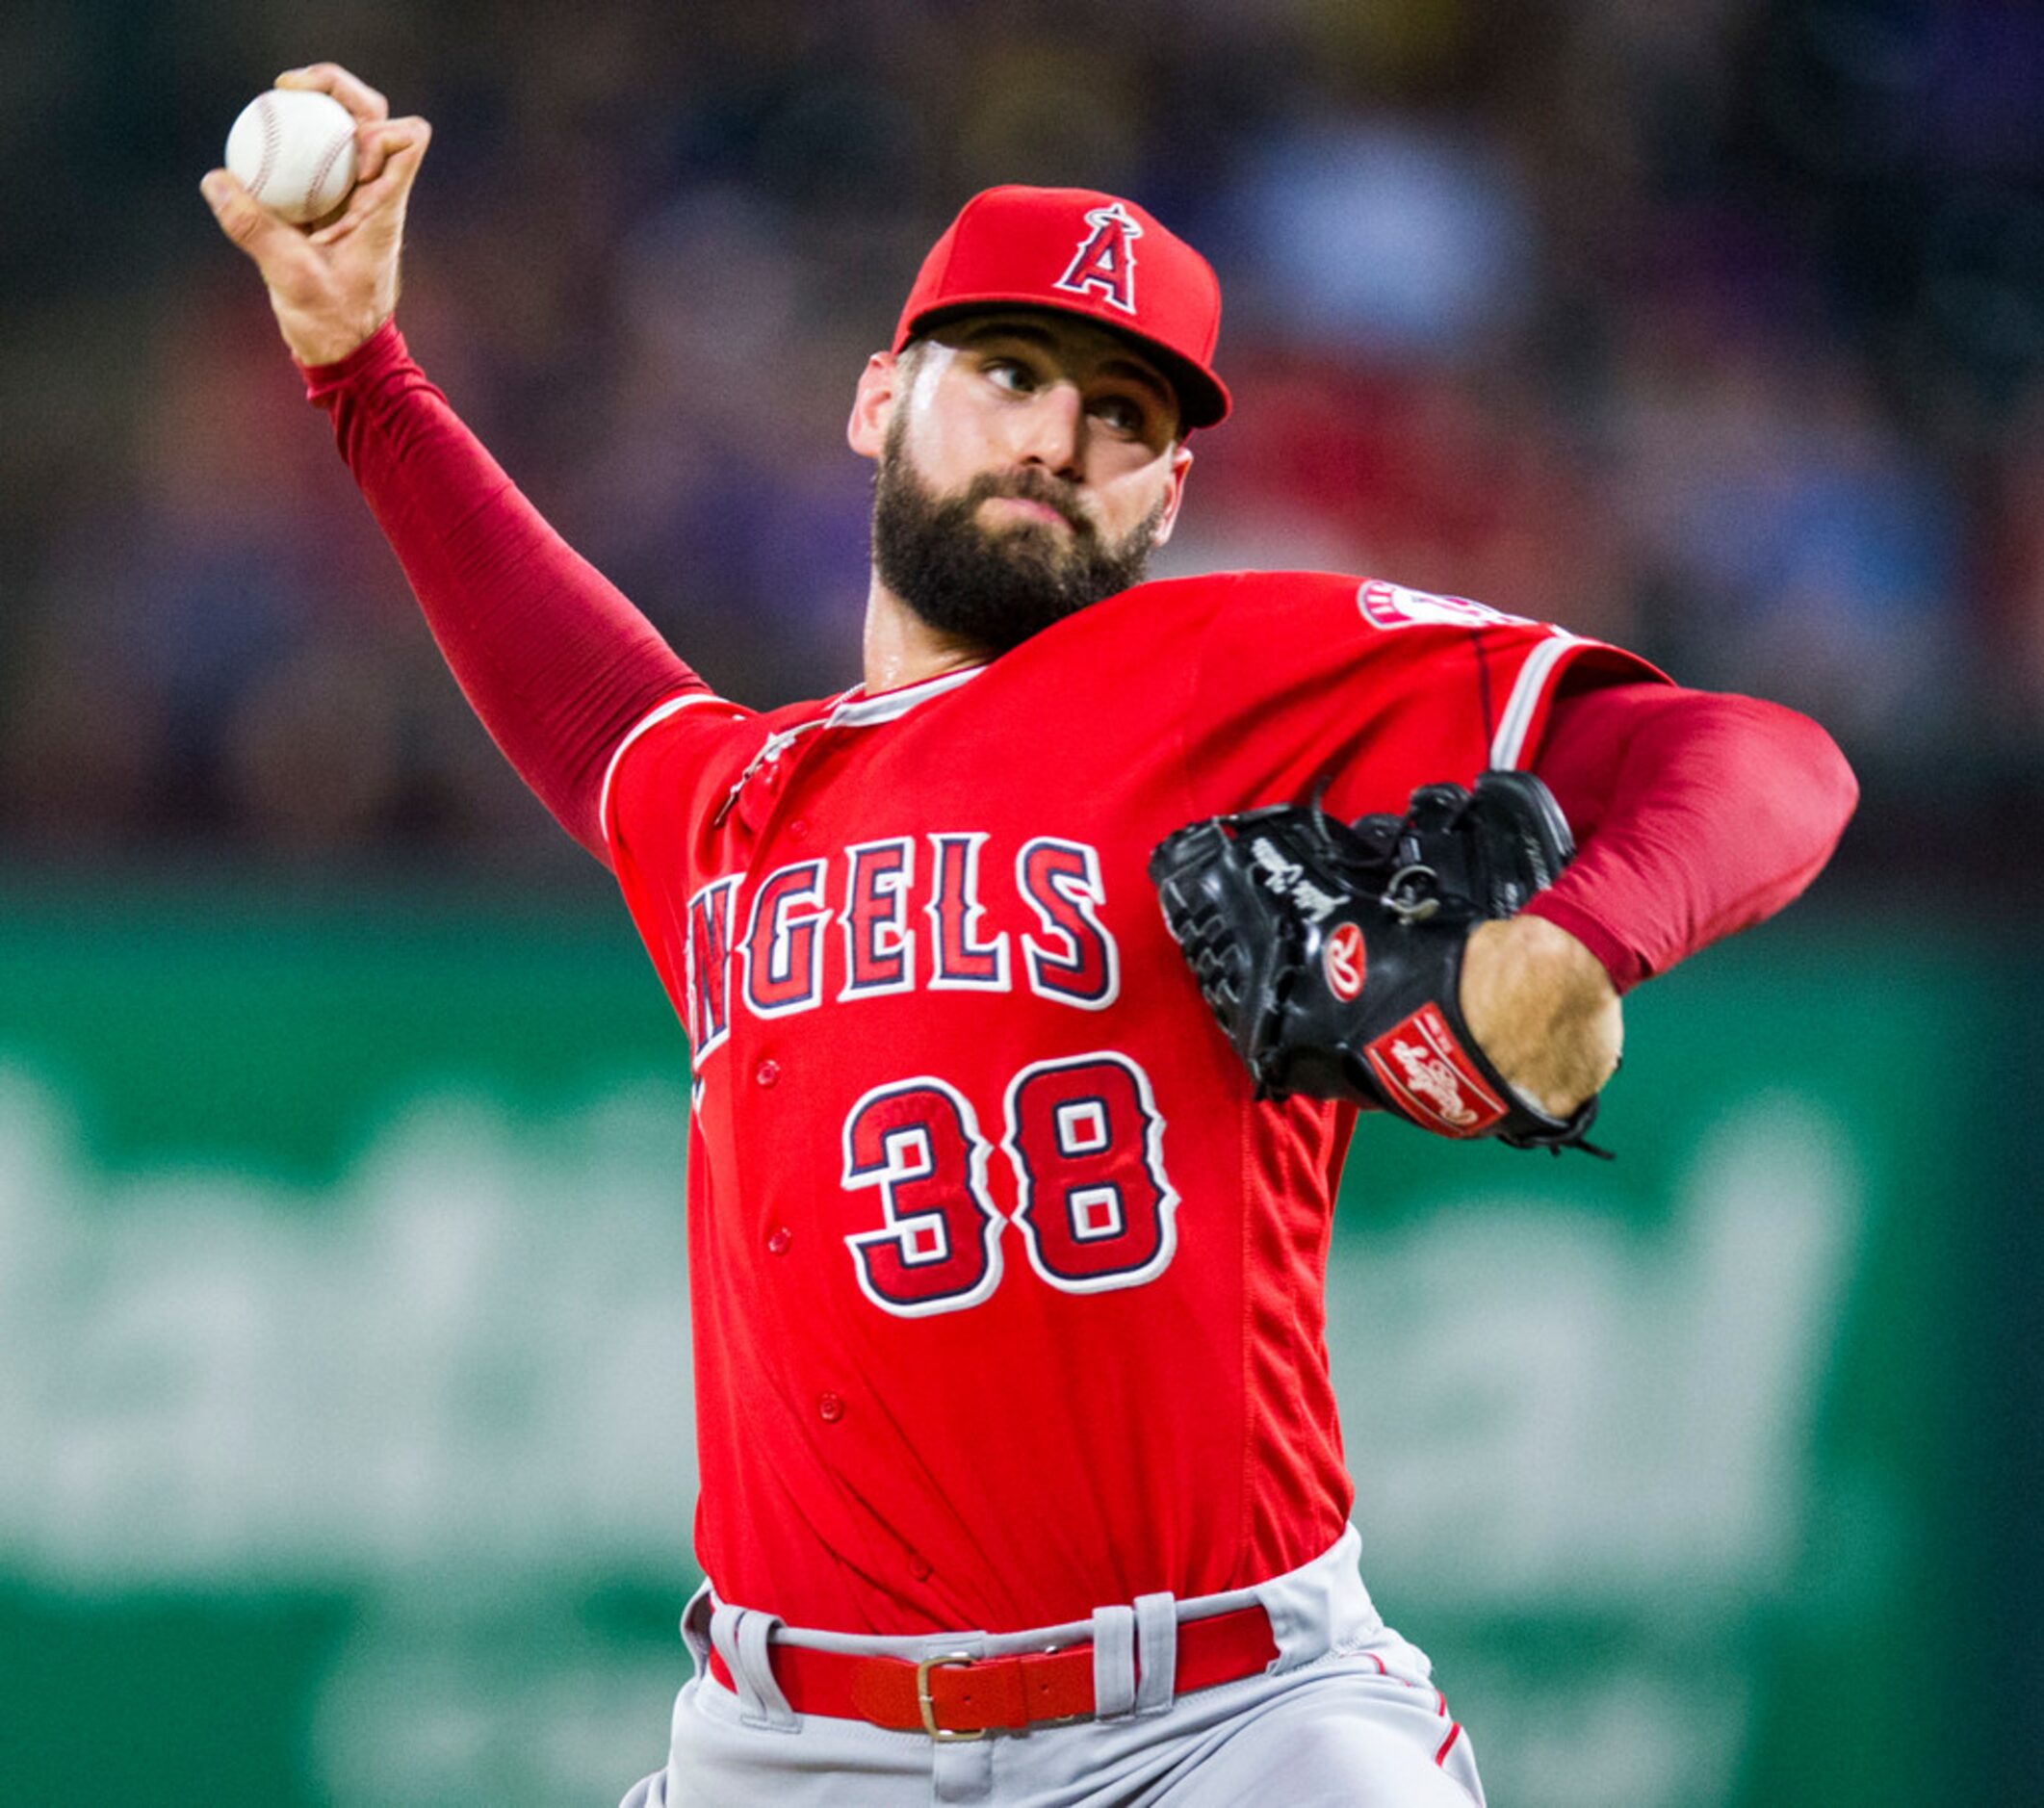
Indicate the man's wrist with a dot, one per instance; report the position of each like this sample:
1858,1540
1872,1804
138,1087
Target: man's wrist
384,344
1542,1008
319,343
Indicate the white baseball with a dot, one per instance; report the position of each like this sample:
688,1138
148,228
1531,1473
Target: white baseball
294,150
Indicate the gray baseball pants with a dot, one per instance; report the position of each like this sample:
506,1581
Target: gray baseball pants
1346,1716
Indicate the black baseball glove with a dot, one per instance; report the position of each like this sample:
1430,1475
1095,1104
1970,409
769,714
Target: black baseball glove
1331,954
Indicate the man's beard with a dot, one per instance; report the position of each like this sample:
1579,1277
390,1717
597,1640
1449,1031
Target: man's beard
994,588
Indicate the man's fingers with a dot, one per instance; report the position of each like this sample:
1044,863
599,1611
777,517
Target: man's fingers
350,91
376,144
398,149
266,237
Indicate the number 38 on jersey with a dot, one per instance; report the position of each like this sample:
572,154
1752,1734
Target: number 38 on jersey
1093,1206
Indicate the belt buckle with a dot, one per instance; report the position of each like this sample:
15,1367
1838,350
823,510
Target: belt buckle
943,1735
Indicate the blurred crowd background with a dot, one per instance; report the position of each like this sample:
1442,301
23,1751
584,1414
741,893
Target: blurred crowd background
1713,327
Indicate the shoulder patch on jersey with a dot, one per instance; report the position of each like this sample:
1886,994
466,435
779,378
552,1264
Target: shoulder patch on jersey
1394,606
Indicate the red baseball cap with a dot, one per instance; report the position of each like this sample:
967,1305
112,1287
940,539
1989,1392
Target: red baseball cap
1082,252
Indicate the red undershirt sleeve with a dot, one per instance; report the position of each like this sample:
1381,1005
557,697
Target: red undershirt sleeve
556,662
1698,813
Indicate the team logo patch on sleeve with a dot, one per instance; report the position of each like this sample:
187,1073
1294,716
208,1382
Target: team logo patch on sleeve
1394,606
1104,263
1429,1074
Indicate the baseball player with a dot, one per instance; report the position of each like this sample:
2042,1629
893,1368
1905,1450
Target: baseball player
1020,1474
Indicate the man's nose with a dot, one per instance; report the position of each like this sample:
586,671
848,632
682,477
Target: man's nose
1051,430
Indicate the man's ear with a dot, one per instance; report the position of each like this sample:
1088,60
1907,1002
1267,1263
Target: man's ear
873,404
1180,464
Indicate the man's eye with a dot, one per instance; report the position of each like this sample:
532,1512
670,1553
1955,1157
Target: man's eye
1121,413
1006,373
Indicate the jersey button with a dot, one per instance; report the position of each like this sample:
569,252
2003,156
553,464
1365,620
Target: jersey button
799,827
766,1073
830,1408
920,1568
777,1243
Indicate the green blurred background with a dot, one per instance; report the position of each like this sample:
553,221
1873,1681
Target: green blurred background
345,1402
346,1451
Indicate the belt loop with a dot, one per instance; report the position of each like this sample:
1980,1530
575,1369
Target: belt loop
1113,1662
1156,1651
741,1636
695,1627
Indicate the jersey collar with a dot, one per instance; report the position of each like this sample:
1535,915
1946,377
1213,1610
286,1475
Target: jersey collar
853,709
856,710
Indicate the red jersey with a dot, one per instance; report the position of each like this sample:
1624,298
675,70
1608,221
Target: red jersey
1008,1298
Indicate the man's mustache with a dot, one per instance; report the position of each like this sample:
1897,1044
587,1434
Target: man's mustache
1028,486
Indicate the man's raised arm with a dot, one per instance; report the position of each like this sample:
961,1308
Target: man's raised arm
555,661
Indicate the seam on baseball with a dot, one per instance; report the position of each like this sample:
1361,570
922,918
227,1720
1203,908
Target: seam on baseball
266,111
319,174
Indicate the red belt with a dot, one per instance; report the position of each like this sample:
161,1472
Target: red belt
960,1697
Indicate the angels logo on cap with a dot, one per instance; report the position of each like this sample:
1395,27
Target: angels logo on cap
1074,250
1106,262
